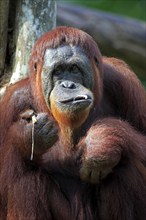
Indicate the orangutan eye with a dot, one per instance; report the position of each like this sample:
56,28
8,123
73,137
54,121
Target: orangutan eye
74,68
58,70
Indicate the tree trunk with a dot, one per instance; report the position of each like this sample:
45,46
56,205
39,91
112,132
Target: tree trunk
4,10
27,21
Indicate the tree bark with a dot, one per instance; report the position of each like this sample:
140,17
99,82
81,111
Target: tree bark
33,19
27,21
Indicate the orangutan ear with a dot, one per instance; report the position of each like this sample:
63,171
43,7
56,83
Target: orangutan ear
96,61
35,67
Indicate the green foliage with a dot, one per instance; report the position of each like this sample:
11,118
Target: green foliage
130,8
144,83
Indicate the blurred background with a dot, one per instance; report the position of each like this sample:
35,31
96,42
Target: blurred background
118,27
131,8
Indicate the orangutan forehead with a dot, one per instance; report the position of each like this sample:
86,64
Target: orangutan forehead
64,53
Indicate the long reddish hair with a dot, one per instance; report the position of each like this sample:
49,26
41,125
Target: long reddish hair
64,36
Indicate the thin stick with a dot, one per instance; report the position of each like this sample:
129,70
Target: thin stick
34,120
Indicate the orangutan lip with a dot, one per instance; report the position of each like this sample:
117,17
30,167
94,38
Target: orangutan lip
79,98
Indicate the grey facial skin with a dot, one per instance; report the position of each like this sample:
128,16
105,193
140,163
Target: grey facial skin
67,73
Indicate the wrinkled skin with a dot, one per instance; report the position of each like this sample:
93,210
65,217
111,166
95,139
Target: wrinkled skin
67,69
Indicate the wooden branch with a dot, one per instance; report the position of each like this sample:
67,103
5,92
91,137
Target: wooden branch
116,35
